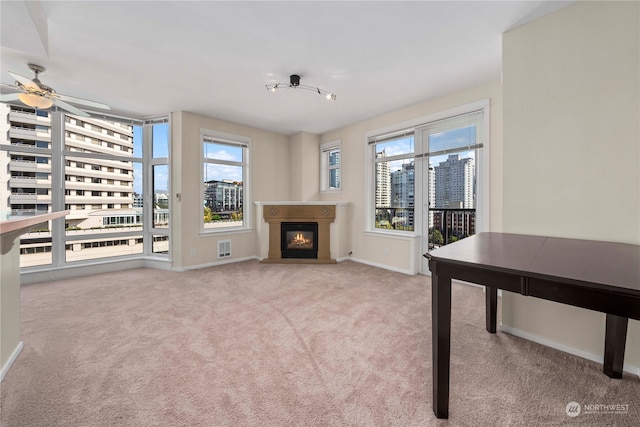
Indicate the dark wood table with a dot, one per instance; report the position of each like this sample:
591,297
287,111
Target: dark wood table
601,276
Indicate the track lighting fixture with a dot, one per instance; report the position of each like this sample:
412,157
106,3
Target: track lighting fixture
294,83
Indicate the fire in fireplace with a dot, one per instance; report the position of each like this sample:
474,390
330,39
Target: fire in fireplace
299,239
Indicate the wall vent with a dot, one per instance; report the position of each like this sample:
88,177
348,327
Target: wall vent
224,248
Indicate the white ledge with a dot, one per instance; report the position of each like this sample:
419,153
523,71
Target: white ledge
281,203
22,223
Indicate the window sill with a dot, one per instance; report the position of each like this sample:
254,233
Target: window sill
401,235
224,231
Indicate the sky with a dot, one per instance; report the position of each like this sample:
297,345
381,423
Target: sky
450,140
225,153
160,148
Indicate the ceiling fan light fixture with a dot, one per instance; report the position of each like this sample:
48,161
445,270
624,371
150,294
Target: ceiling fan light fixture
35,101
35,94
294,83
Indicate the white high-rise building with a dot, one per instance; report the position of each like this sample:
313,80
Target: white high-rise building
383,182
90,183
455,183
98,190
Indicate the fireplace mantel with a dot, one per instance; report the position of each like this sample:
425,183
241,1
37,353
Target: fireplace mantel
328,215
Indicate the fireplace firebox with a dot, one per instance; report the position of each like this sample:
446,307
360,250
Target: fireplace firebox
299,239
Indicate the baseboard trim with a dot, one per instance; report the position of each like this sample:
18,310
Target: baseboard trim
213,264
384,266
12,358
70,271
629,368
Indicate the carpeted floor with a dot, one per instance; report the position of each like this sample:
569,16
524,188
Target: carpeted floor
252,344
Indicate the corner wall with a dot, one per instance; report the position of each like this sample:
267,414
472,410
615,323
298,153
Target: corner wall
305,166
572,151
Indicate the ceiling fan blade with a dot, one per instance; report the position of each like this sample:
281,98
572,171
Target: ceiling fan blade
25,81
70,108
80,101
5,88
9,97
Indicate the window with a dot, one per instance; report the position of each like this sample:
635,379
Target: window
452,148
394,180
435,163
225,169
52,185
330,163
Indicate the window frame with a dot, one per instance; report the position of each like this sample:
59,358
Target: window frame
407,156
482,162
223,138
59,155
325,166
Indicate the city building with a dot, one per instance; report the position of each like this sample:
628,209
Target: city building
383,182
432,193
455,183
98,191
453,212
334,172
223,196
402,196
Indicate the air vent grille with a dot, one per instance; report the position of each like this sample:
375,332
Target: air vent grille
224,248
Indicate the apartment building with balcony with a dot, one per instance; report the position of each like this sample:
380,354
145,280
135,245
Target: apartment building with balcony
97,189
223,196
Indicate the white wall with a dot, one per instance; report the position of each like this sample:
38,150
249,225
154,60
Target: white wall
270,180
572,140
402,254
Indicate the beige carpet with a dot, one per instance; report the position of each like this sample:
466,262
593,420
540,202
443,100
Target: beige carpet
252,344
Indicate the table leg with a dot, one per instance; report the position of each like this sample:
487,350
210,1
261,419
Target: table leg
491,311
441,341
614,343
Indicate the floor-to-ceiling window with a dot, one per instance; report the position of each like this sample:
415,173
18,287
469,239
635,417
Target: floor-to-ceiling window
111,173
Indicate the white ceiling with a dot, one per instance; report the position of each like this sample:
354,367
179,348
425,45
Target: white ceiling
214,58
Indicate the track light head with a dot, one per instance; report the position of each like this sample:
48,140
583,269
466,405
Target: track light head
294,83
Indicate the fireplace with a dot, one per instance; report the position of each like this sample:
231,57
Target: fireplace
308,217
299,239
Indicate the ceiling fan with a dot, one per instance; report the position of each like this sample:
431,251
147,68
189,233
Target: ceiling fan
38,95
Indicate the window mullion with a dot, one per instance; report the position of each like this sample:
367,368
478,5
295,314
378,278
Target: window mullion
147,189
58,238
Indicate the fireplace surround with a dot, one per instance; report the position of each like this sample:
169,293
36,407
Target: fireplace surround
321,214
